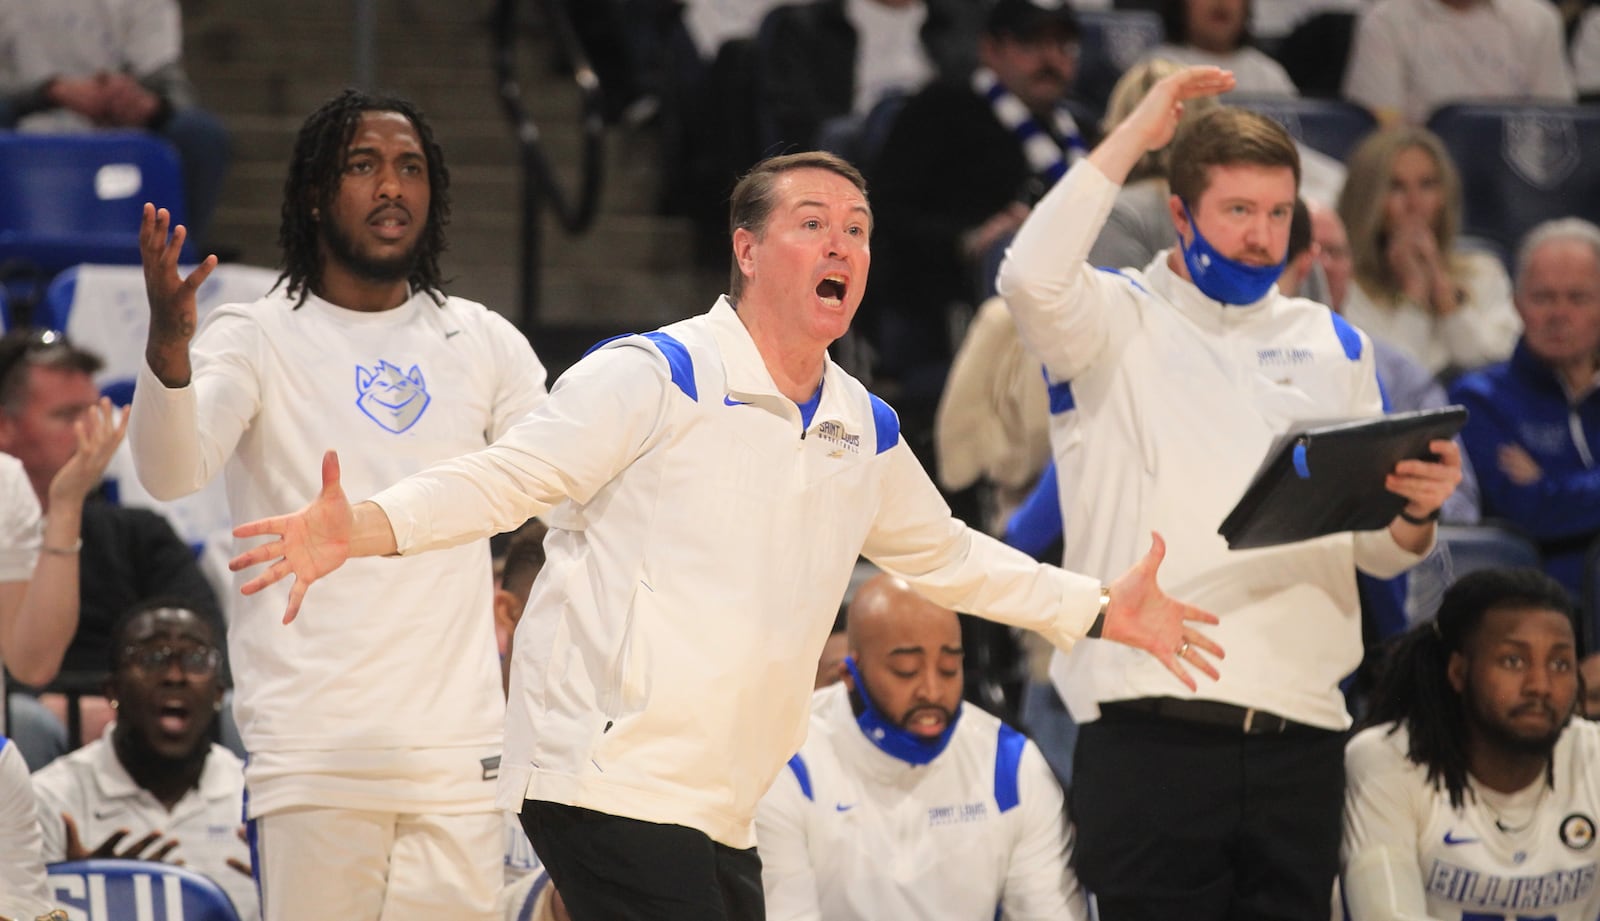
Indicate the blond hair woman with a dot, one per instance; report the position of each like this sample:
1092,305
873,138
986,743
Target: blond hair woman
1416,288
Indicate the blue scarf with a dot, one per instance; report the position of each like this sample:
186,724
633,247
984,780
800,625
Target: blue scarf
1045,156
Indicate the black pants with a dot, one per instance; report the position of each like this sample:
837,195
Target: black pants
609,868
1178,820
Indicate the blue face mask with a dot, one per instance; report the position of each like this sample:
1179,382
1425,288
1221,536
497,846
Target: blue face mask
892,740
1223,279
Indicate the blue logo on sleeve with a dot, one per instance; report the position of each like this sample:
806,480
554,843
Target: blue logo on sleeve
390,397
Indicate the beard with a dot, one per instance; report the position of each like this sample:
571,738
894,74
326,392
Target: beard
1502,735
343,249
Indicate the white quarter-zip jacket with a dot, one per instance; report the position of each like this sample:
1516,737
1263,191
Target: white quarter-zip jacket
850,833
701,538
1164,405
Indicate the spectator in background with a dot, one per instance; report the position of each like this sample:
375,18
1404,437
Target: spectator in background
156,779
830,664
1534,429
1586,54
958,172
1406,384
894,741
1216,33
525,877
1409,57
127,555
75,65
1589,670
831,59
1471,790
64,452
1446,306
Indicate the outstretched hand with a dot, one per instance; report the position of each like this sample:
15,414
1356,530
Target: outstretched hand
1141,615
311,543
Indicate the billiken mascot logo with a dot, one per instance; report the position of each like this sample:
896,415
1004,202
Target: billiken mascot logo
390,397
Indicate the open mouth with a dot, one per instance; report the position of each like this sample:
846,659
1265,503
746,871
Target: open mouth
831,289
174,718
390,223
926,723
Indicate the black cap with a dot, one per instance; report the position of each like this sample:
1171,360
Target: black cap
1027,19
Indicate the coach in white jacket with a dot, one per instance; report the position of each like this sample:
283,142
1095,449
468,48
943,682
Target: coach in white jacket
708,489
904,801
1169,385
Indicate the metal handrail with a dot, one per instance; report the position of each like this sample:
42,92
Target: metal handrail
539,181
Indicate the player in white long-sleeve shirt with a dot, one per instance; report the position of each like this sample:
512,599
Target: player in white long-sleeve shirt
708,487
907,803
1474,793
374,724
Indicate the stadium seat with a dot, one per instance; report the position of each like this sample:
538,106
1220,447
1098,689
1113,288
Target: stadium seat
1522,163
858,138
103,308
136,890
1462,549
1332,126
78,198
1111,41
1475,547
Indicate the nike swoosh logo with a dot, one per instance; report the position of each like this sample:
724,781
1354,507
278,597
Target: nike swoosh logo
1451,840
100,815
841,807
730,401
452,333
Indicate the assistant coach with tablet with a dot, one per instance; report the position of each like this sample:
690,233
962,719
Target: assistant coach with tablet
1170,383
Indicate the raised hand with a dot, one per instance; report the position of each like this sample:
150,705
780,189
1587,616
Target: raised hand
99,430
1155,119
173,314
310,543
1141,615
1151,125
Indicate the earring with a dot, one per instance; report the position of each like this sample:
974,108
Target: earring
113,703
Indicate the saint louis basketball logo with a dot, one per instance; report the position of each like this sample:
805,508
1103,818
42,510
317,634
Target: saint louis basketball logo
1577,831
390,397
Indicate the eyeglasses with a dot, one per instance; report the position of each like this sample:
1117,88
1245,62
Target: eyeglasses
196,663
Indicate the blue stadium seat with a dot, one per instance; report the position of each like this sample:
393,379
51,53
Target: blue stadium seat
77,198
1111,41
1475,547
1332,126
1522,163
123,890
858,138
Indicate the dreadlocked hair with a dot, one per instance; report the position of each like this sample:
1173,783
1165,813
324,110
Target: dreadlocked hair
315,171
1414,688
